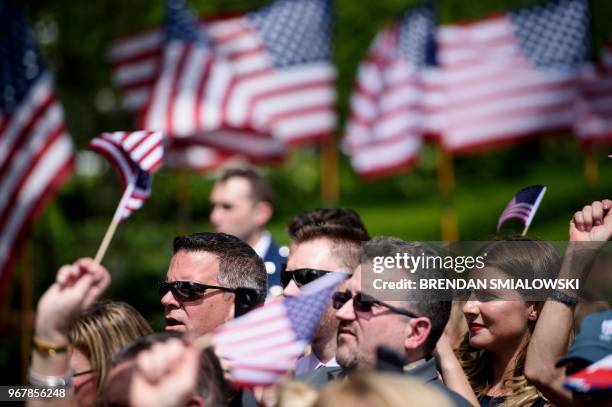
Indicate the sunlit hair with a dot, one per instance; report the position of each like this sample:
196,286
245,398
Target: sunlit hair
104,329
523,257
342,226
380,390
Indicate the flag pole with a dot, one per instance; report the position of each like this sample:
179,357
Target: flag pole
27,312
329,178
446,187
591,170
110,231
525,229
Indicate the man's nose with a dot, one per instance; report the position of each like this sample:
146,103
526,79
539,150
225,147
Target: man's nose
168,300
346,312
291,290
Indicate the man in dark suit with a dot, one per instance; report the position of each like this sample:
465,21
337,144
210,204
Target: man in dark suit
241,202
409,323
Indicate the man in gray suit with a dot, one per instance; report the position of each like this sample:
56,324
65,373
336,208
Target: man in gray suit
410,327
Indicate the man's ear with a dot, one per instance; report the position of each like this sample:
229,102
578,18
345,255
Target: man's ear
195,401
263,213
416,333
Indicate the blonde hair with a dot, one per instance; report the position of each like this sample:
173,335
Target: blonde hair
104,329
478,367
380,390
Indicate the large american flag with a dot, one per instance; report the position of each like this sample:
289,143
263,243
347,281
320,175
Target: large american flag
36,153
263,345
275,79
512,75
594,121
136,156
388,106
473,85
523,205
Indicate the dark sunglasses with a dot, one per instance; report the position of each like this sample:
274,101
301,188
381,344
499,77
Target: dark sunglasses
188,290
364,303
300,276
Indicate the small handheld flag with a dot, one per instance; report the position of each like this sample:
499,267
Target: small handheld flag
523,206
135,155
595,378
262,346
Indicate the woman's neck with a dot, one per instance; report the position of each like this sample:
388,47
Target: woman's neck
504,363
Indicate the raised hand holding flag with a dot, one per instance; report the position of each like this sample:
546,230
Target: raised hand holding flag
523,206
136,156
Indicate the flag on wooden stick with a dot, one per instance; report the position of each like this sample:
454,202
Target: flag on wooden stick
523,206
136,156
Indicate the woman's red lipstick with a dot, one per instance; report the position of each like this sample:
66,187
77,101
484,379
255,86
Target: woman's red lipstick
475,328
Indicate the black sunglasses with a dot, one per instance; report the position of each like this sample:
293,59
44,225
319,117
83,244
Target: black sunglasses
364,303
300,276
188,290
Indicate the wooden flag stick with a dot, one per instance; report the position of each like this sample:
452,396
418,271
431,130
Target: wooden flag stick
330,177
110,231
525,230
446,187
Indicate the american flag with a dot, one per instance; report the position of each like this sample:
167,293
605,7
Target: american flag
36,153
388,106
263,345
512,75
136,156
595,378
523,205
275,79
594,121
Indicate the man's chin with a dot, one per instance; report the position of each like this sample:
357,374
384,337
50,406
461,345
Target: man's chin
176,328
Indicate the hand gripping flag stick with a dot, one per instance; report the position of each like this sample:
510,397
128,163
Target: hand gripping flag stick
135,155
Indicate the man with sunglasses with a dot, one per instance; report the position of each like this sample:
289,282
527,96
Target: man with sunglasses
322,241
410,327
208,271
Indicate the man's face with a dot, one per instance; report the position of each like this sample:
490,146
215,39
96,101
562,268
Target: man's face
315,254
204,314
360,333
233,209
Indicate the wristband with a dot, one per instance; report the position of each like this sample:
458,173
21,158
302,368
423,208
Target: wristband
48,348
559,296
35,379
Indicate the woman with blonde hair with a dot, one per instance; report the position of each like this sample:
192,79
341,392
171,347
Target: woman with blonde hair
500,323
100,332
75,337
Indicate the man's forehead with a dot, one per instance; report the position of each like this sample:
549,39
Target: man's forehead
235,187
194,265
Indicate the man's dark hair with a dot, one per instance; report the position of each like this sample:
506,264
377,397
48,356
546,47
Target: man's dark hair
261,191
418,301
342,226
211,385
239,265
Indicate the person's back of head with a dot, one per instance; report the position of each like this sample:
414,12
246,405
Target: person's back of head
211,388
103,330
380,390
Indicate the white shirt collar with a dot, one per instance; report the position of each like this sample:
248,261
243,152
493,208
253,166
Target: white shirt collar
262,245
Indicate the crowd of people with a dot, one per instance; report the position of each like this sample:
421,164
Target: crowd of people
411,351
